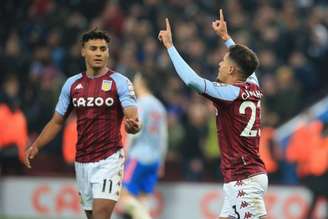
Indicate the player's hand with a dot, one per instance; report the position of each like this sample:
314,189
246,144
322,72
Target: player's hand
31,152
132,126
220,27
165,36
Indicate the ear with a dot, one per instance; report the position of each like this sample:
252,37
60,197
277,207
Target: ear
231,69
83,52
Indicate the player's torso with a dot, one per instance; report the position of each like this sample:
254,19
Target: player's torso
238,124
146,145
99,115
94,98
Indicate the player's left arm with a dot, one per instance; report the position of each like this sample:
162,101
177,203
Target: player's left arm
185,72
216,90
190,77
132,125
220,27
128,101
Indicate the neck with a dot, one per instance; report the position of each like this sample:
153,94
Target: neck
235,79
96,72
143,93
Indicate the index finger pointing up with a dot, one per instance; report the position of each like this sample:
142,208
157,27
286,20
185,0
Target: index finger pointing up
221,15
168,27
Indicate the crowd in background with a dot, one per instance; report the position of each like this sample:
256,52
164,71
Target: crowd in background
40,48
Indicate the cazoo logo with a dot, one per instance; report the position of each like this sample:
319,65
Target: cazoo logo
92,101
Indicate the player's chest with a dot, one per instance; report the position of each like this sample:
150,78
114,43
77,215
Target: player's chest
94,94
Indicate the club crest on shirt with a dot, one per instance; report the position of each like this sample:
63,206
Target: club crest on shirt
106,85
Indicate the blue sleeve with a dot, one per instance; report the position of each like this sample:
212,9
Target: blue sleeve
192,79
221,91
125,90
252,78
65,95
185,72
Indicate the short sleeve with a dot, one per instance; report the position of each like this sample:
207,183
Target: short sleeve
64,100
125,90
221,91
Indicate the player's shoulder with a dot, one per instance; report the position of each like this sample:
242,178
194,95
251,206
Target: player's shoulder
247,85
70,80
119,77
74,78
250,91
158,104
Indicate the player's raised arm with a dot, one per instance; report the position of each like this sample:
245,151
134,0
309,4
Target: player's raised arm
220,27
185,72
165,36
189,76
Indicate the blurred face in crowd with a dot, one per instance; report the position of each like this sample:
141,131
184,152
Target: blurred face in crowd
226,70
95,53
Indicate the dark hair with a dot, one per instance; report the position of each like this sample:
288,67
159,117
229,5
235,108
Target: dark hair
94,34
245,58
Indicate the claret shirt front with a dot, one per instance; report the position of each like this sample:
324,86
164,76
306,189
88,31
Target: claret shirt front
98,103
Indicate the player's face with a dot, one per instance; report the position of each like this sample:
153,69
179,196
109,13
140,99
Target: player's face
96,53
224,69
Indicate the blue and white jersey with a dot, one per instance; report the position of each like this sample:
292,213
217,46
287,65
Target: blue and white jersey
150,144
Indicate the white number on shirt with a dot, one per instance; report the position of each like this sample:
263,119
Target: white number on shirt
248,132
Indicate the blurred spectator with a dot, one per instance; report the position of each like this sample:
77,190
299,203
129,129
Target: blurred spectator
13,127
308,148
288,95
290,38
70,140
269,150
191,148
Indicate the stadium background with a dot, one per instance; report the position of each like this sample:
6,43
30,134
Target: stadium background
40,48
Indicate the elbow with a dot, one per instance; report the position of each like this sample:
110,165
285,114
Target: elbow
194,85
188,82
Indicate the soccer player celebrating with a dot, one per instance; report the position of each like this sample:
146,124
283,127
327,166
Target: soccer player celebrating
100,98
146,151
236,96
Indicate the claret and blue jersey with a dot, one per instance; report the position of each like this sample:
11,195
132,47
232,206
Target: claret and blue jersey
238,118
98,103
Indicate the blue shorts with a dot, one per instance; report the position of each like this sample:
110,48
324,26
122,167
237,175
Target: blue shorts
140,178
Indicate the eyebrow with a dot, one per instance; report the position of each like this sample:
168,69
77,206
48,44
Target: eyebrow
93,46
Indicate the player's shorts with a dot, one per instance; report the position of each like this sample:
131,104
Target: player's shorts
100,180
140,178
245,198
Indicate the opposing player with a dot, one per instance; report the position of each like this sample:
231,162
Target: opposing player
146,151
100,98
236,96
